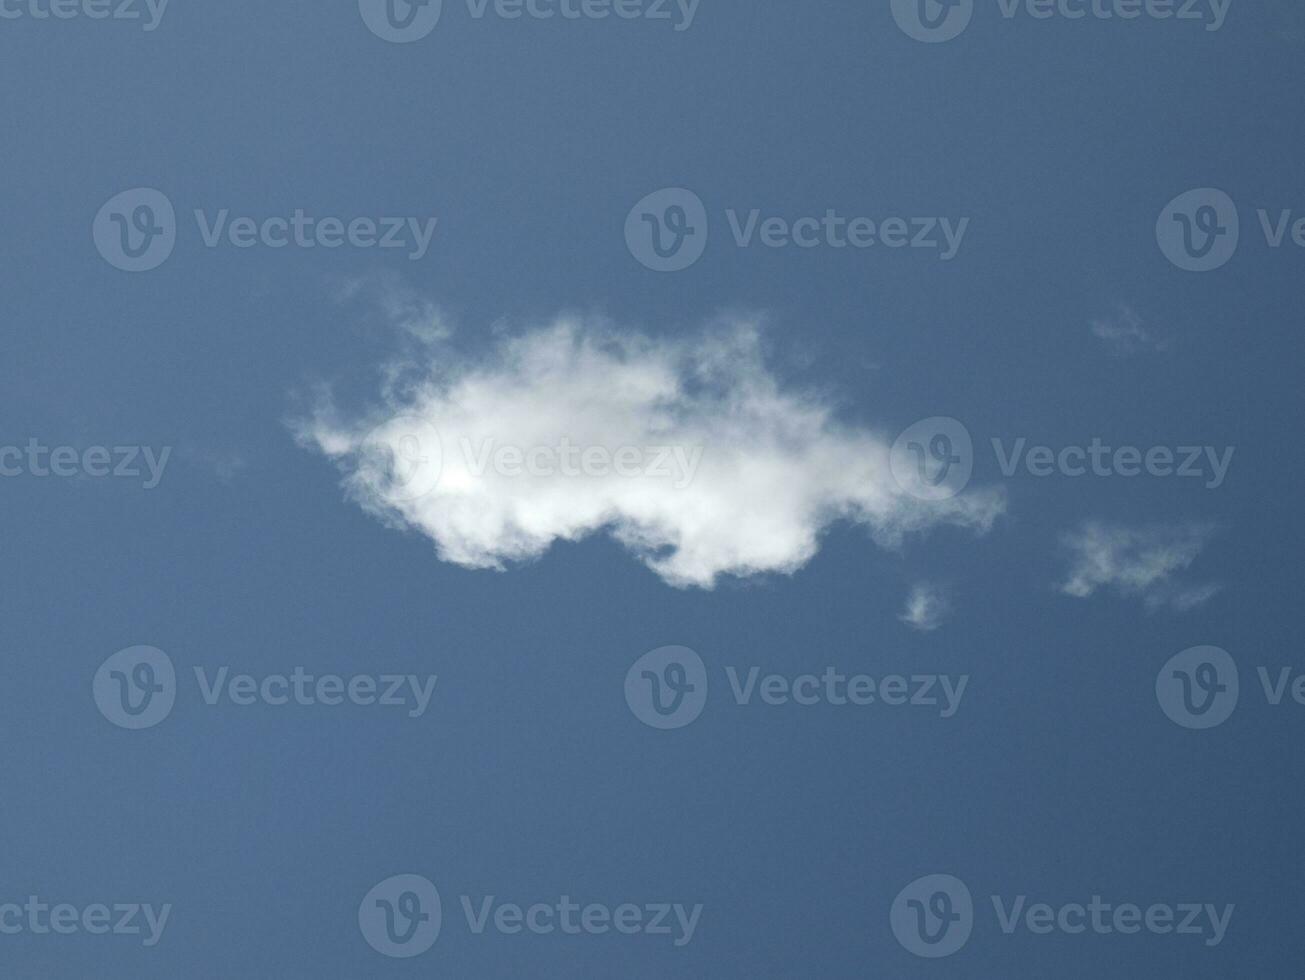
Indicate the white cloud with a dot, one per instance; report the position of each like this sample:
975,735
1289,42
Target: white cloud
1126,333
755,471
1138,563
927,606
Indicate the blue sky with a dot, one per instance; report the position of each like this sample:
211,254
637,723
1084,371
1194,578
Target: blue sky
262,521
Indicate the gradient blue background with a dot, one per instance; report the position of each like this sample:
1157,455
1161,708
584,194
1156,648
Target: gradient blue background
529,777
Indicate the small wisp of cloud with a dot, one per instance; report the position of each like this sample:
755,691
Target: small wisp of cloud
1126,334
399,305
927,607
1138,562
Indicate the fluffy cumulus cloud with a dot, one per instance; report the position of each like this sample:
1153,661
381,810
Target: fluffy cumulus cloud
691,453
1138,562
927,606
